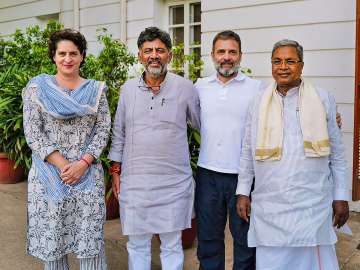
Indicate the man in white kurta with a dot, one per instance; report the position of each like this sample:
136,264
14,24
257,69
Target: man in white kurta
295,196
150,142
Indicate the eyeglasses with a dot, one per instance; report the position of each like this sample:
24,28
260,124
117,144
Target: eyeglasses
287,62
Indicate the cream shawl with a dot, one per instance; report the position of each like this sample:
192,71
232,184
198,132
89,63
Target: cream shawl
313,123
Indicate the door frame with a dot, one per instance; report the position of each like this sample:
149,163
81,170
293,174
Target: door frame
356,162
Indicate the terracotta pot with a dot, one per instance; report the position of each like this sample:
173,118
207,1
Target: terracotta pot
189,235
112,207
9,175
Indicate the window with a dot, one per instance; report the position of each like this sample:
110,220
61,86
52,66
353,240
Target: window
42,20
185,26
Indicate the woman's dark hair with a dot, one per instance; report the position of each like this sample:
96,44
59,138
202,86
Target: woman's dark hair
225,35
152,33
67,34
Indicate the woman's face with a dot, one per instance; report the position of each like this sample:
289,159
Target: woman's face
67,58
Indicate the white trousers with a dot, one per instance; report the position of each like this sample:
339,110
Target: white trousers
171,252
296,258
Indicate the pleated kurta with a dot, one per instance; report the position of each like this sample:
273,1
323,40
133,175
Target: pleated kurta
150,140
292,197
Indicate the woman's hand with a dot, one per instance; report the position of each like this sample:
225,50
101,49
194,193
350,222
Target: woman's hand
72,172
57,159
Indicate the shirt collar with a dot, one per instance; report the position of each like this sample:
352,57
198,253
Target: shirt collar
239,77
291,92
143,86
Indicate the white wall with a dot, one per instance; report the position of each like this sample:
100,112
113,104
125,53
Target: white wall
140,14
93,15
325,28
22,13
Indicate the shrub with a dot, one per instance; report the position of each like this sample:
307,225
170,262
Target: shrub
22,57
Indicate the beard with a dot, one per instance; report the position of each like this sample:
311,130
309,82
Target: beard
227,72
155,72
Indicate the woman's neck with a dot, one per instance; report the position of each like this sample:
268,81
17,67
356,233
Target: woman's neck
69,82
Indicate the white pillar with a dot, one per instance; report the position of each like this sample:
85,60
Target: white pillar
76,11
123,21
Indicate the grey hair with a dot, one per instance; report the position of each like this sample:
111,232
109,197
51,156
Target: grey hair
289,43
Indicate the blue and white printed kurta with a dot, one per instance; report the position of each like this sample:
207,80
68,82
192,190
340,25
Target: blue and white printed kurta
292,199
76,224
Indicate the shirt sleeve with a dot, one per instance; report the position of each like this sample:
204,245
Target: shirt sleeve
33,123
246,164
338,165
102,128
193,109
118,131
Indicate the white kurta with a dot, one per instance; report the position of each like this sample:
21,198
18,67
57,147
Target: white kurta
292,199
296,258
150,140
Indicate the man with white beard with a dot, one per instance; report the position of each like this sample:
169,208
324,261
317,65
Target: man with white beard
224,99
150,151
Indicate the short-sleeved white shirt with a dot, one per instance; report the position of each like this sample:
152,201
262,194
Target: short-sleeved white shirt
223,112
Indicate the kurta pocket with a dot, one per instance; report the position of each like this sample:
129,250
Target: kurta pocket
168,111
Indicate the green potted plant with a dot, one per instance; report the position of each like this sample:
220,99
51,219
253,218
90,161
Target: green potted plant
22,56
14,155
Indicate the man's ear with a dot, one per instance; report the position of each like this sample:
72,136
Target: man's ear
302,67
170,56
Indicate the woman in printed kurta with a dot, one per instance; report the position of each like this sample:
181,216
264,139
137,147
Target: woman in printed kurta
66,124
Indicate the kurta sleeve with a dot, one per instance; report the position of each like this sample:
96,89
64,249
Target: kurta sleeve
101,129
338,165
193,109
118,131
33,123
246,164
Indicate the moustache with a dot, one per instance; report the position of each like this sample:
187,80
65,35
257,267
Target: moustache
153,62
227,62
